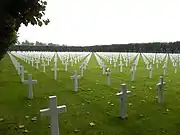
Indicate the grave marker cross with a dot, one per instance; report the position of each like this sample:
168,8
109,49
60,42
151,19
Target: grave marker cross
75,77
30,83
108,71
53,112
123,96
22,73
160,86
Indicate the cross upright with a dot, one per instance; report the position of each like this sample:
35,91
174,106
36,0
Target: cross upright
103,69
121,66
66,66
132,74
175,67
30,83
123,97
18,68
147,66
32,62
53,112
110,61
160,86
75,77
165,68
29,61
37,64
48,61
22,73
55,69
82,70
108,71
126,62
44,67
157,64
150,72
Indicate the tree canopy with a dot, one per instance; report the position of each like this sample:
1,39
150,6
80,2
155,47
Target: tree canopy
13,13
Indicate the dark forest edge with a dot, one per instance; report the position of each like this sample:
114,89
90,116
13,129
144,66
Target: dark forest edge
156,47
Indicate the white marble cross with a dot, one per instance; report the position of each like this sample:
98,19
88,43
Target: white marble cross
66,66
175,68
30,83
160,90
150,72
132,74
165,68
157,64
22,73
18,68
82,70
53,112
123,96
32,62
147,66
29,61
108,71
103,69
44,67
75,77
110,61
48,61
37,64
126,62
121,67
55,69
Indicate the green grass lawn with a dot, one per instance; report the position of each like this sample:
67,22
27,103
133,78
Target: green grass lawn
94,102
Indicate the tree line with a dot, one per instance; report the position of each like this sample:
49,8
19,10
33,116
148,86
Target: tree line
156,47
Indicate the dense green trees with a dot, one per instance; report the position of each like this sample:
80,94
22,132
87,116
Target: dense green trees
172,47
15,12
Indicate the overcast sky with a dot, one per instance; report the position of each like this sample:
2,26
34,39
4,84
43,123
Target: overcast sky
96,22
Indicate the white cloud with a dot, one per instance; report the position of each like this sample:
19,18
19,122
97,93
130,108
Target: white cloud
92,22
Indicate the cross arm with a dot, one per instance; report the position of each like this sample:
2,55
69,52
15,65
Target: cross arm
45,112
72,77
61,109
25,82
34,81
119,94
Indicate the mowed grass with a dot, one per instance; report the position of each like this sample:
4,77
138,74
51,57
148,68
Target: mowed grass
94,102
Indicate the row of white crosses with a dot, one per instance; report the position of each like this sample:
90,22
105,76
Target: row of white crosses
36,58
21,71
124,93
55,68
53,109
101,64
134,67
71,58
151,58
75,78
175,60
84,64
127,58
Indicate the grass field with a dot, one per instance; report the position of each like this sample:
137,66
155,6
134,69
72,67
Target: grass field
94,102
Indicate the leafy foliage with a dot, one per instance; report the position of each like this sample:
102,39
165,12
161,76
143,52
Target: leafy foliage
15,12
171,47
